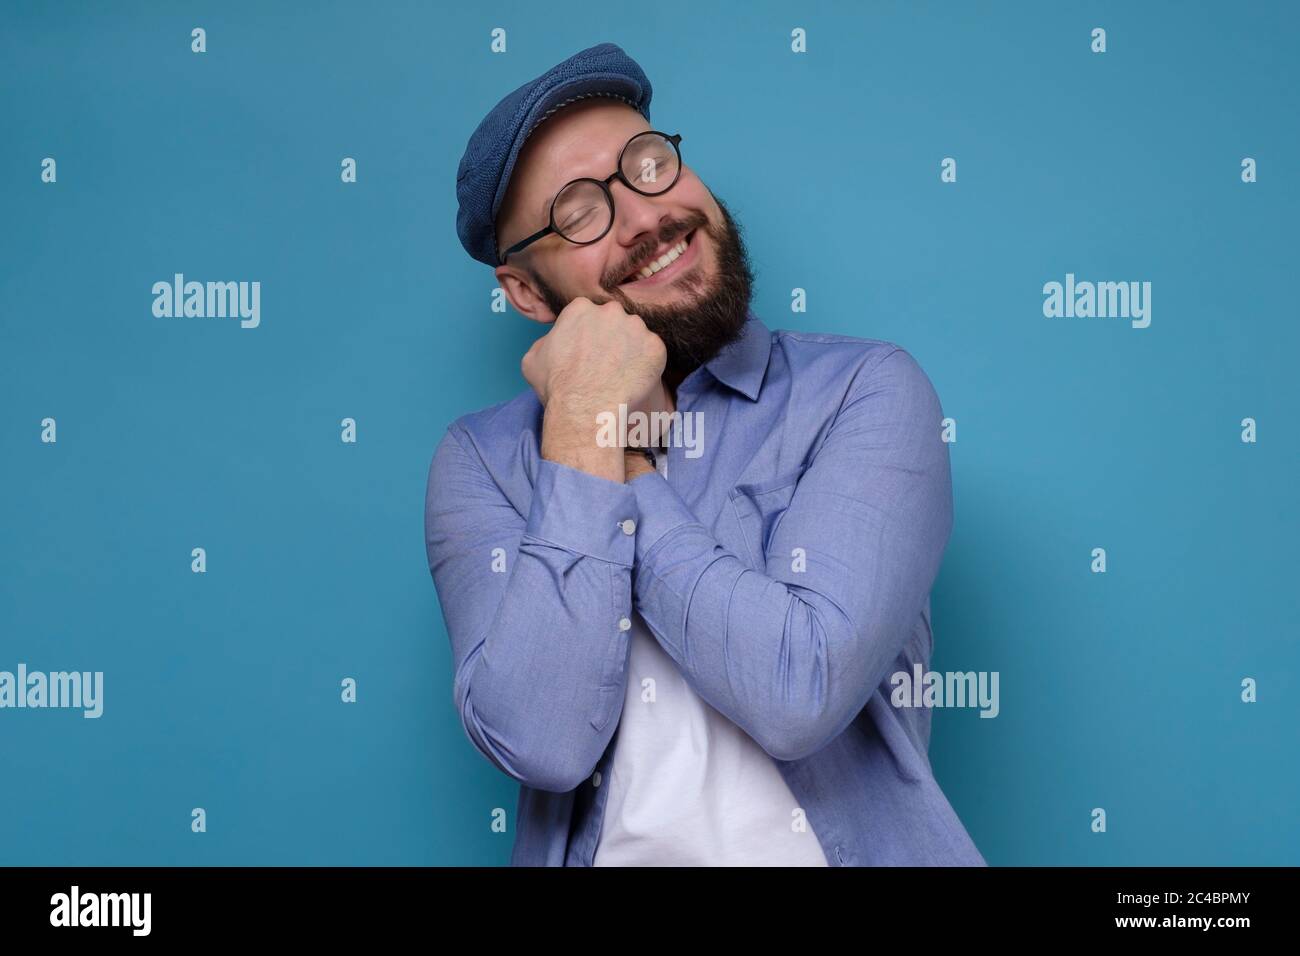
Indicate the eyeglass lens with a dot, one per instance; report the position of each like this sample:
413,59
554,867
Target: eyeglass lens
582,209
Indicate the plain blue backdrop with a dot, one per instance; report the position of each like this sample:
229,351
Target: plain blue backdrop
222,690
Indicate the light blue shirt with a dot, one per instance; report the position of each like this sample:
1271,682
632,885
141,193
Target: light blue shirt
786,570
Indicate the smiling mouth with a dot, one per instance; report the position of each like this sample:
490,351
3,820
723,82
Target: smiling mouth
665,262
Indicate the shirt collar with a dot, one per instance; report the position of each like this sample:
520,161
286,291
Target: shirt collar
743,363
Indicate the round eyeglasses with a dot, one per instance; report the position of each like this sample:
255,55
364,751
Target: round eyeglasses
583,211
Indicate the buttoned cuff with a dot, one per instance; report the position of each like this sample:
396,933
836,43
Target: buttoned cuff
661,510
582,512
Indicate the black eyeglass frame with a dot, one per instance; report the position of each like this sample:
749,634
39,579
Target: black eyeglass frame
674,139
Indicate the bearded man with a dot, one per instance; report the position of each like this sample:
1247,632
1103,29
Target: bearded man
683,659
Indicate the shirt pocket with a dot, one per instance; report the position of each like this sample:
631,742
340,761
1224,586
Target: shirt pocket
759,507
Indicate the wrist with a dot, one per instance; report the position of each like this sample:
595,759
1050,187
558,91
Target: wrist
574,442
578,408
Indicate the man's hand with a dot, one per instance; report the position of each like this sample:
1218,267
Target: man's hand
594,358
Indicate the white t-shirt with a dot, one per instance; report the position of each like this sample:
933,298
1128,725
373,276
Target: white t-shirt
687,786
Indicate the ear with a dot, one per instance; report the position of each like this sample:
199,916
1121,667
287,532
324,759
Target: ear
518,287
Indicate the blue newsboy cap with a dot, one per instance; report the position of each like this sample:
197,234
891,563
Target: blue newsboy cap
489,160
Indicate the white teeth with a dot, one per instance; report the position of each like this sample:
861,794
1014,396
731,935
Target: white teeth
663,260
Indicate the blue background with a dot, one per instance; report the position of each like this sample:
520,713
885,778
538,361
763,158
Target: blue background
222,689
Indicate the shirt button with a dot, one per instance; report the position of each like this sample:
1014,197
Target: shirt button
624,625
595,779
629,526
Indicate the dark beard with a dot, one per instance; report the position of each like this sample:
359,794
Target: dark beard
709,319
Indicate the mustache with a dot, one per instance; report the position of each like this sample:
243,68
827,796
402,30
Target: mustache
638,256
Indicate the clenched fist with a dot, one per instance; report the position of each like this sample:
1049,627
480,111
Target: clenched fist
594,358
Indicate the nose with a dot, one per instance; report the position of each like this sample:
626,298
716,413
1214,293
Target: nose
635,215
